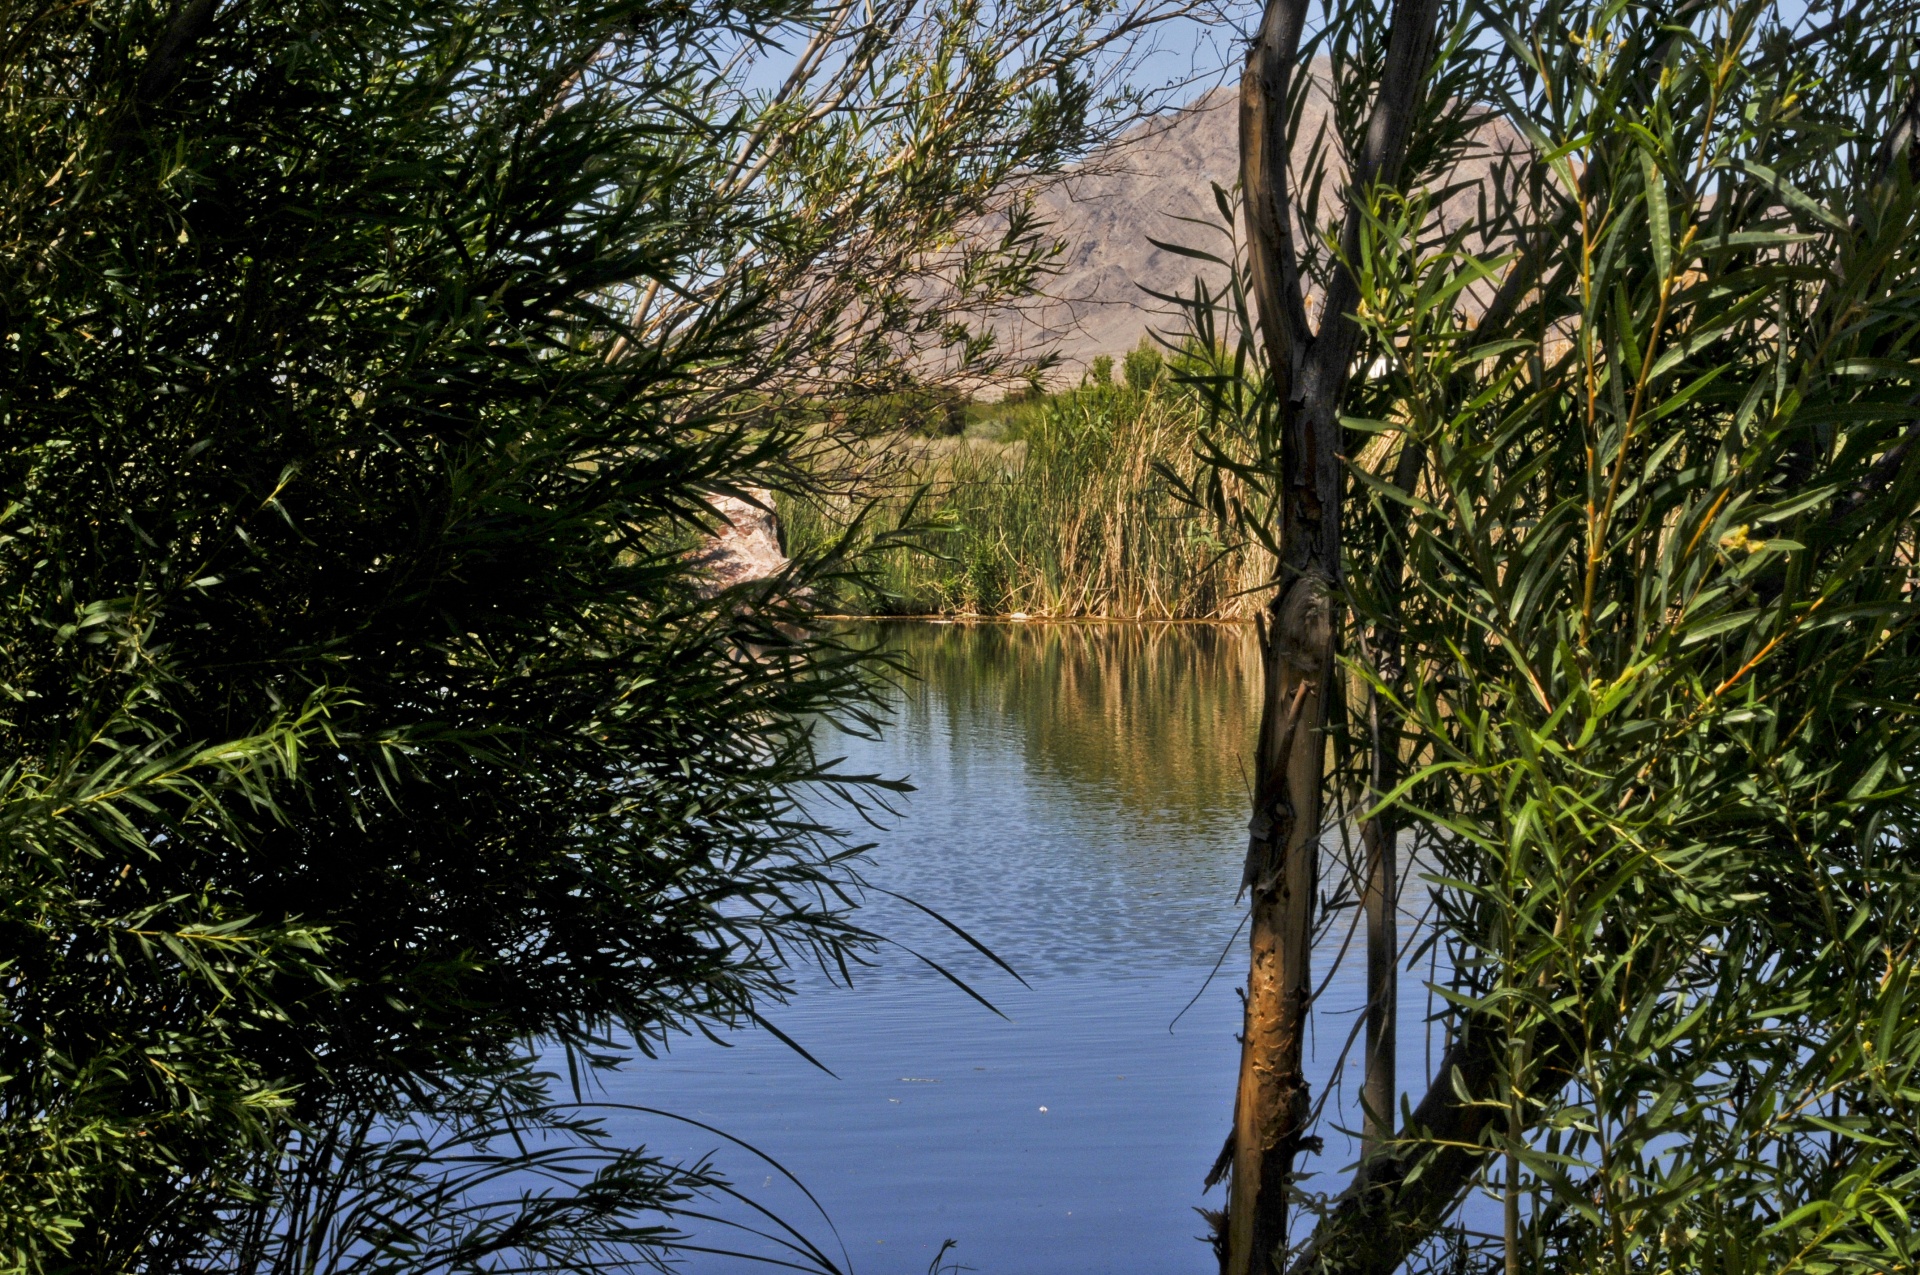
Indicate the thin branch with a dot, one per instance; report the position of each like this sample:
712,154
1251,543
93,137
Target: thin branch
1263,184
1402,85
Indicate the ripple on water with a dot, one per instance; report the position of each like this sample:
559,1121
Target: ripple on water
1080,808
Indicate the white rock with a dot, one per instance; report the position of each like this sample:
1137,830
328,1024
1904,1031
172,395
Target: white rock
747,546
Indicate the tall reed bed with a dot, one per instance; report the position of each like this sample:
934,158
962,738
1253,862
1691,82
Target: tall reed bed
1066,513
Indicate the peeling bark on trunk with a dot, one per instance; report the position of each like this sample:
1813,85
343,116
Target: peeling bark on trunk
1271,1104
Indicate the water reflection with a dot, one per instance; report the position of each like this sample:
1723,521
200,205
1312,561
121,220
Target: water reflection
1081,808
1081,788
1157,716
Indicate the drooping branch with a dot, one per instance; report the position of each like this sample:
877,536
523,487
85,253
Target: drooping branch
1877,479
1379,834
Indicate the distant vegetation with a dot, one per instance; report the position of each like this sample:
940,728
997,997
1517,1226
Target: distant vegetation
1049,504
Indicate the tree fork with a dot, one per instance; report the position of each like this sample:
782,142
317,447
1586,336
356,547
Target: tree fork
1310,372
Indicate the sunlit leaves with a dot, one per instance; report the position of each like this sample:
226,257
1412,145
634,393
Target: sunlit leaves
1659,648
1638,531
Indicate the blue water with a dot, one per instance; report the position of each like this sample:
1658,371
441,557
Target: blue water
1079,808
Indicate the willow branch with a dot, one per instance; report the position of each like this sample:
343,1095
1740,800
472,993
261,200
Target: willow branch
1264,153
1402,84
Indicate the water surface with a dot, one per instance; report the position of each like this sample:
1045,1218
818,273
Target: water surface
1081,808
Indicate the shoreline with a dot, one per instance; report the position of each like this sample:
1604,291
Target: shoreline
1019,618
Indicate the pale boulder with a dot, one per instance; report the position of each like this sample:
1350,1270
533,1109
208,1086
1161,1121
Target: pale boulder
746,547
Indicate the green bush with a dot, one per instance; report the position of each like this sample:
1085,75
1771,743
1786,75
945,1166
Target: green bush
1143,366
365,723
932,411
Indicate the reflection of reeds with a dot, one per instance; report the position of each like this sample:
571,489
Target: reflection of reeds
1163,713
1070,518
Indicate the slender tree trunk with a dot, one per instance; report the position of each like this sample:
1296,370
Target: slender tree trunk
1380,1094
1271,1104
1264,149
1308,372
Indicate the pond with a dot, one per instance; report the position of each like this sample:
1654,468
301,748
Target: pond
1080,807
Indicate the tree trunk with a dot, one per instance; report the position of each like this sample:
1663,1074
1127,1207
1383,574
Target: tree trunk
1380,1094
1270,1108
1389,1209
1308,372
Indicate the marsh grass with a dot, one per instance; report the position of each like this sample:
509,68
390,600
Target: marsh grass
1058,506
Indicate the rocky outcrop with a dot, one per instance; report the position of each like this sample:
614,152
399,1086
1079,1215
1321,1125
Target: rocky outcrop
746,547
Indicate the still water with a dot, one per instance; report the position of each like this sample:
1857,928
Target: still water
1080,807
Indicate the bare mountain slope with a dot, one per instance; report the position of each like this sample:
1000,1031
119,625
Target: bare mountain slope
1156,182
1136,190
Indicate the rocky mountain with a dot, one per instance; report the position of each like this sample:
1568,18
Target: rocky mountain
1156,183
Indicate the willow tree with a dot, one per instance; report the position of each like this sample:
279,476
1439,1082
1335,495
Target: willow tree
369,734
1597,585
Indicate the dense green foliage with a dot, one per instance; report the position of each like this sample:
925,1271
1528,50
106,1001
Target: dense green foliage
362,721
368,734
1662,648
1629,573
1143,366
